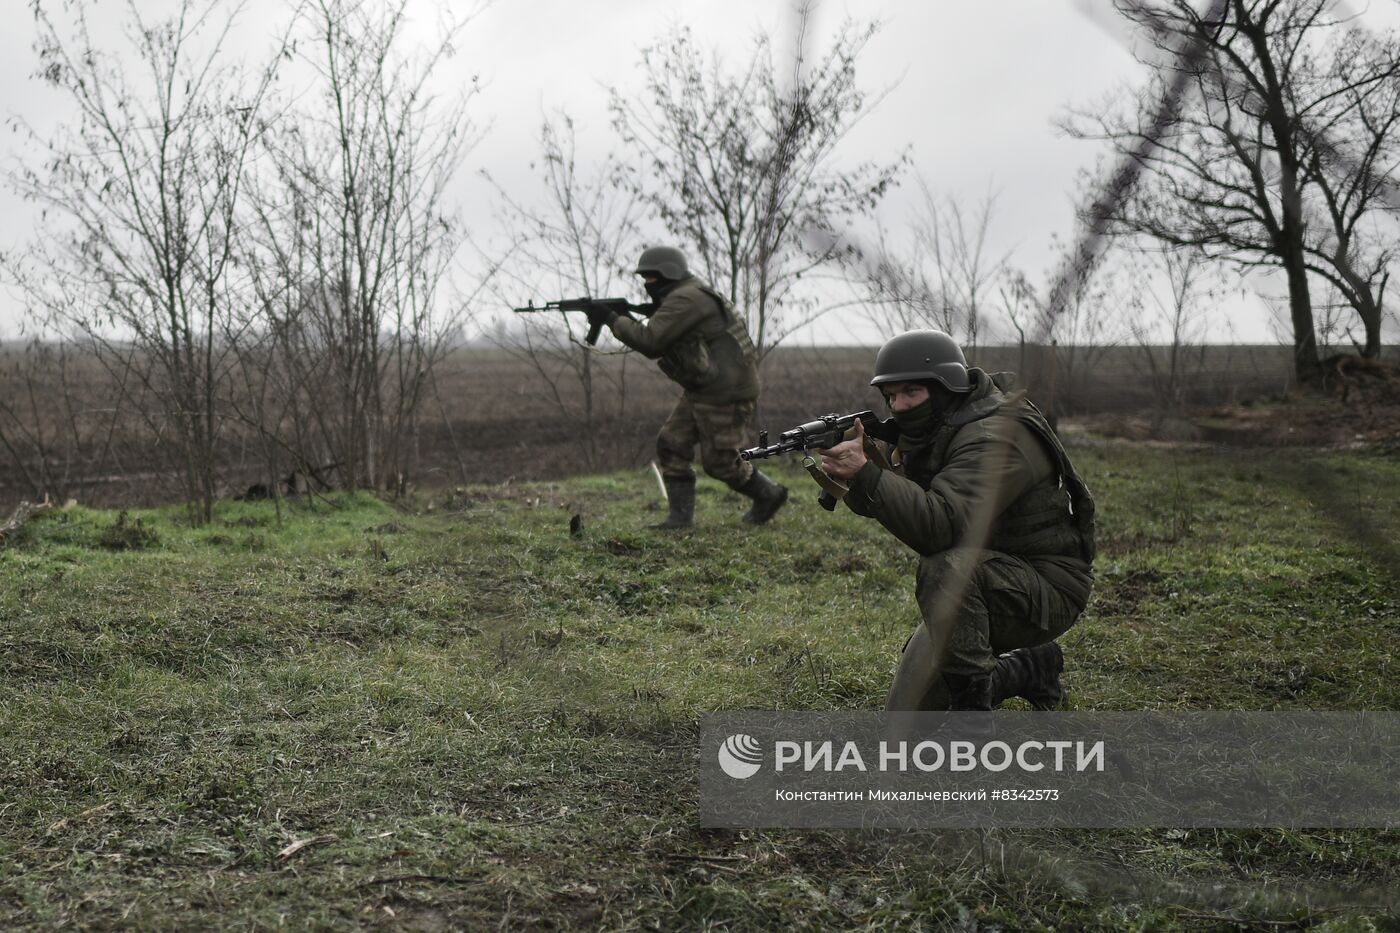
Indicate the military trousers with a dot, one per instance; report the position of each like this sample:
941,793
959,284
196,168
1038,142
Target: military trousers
720,431
976,604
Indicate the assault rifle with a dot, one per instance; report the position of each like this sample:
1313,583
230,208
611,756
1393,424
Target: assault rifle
591,306
827,431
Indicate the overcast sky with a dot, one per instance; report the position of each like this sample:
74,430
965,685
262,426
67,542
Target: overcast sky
973,88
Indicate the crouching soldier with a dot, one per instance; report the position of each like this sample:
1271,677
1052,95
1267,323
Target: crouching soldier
982,489
702,345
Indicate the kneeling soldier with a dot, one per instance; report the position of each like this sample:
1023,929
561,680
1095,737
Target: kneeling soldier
984,491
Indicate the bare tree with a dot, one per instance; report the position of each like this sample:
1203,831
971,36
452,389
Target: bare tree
1092,319
57,416
1065,327
739,165
1022,311
1169,329
579,243
1335,320
356,226
141,195
943,277
1352,242
1230,166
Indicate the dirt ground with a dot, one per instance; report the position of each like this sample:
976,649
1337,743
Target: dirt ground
1357,406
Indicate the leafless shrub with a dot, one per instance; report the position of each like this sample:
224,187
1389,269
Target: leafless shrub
944,278
143,189
353,243
1169,333
737,164
579,244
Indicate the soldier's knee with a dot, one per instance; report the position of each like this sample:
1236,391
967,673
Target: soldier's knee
669,448
725,466
953,570
949,577
674,467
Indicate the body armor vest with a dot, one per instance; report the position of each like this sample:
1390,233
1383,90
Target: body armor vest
1052,518
716,361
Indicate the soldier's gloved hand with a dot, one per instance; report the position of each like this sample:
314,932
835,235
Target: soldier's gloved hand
845,460
601,317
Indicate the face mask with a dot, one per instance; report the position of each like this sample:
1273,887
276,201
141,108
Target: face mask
913,419
917,424
656,289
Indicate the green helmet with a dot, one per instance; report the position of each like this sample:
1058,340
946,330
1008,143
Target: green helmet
665,261
920,356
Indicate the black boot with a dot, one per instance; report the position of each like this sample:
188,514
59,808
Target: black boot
680,496
1032,674
767,497
969,694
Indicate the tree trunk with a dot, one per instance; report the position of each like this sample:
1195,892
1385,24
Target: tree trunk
1364,301
1305,362
1371,321
1292,251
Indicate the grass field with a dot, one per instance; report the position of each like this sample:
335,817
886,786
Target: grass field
459,716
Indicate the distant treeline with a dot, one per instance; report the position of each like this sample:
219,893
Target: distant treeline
490,415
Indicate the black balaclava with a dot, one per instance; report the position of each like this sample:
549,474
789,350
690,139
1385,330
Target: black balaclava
918,425
660,288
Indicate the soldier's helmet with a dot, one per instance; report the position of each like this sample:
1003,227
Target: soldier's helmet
665,261
921,356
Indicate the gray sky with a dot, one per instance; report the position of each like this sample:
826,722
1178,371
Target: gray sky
972,88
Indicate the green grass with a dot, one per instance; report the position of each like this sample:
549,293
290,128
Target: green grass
483,721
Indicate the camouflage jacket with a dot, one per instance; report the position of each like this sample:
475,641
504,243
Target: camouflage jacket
699,342
993,476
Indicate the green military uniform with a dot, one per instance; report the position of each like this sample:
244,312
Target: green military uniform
701,344
988,497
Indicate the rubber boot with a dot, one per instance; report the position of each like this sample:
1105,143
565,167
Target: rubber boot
680,496
1032,674
767,497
